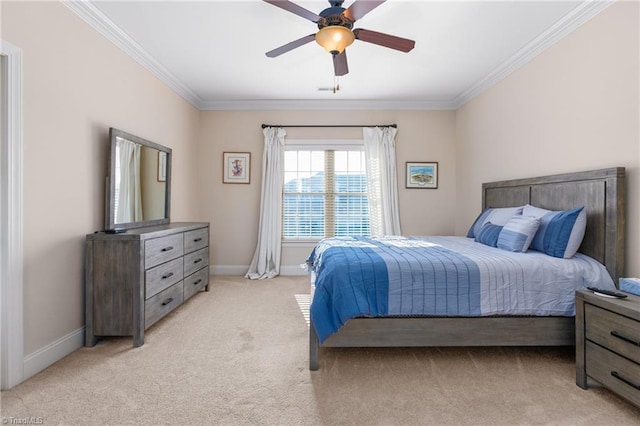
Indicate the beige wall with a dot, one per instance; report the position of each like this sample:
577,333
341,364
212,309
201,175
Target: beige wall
572,108
76,84
233,209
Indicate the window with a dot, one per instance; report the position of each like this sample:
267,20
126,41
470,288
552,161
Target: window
325,193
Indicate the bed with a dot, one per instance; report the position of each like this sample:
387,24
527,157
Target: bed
391,319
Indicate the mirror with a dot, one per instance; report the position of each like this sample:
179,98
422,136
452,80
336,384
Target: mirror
139,183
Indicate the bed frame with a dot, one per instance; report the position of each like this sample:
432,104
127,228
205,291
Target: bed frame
602,192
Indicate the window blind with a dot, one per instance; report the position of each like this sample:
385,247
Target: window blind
325,193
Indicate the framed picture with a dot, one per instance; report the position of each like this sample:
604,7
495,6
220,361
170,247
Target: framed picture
236,167
162,166
422,175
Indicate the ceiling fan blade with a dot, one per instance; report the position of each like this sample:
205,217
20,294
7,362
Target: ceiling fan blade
360,8
340,64
386,40
294,8
290,46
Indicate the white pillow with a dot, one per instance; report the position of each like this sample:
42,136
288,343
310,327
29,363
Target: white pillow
517,233
496,215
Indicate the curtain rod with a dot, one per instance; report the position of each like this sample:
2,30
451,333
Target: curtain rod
329,125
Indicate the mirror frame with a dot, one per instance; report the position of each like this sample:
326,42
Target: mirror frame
111,183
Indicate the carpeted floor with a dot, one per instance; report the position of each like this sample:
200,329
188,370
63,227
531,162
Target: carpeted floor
304,303
238,355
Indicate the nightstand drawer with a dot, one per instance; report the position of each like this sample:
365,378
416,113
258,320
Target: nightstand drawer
614,331
613,371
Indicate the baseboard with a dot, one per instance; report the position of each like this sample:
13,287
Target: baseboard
228,269
52,353
290,270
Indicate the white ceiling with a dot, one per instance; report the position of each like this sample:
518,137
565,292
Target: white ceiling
213,52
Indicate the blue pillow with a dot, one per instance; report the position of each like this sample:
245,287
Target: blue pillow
517,234
488,234
560,233
497,216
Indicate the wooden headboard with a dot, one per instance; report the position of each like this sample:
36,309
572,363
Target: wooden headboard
601,192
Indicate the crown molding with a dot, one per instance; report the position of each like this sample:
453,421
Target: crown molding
338,104
567,24
101,23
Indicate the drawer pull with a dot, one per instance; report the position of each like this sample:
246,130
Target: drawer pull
197,261
166,302
197,240
196,282
627,381
167,248
169,275
625,338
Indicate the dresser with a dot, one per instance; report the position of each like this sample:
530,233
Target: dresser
134,279
608,343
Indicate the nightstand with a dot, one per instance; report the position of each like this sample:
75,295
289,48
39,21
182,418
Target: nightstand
608,343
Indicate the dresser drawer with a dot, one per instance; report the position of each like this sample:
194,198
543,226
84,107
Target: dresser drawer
160,250
196,260
163,276
614,331
162,303
196,239
613,371
195,282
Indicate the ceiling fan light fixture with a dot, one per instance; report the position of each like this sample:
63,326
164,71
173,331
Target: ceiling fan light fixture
335,38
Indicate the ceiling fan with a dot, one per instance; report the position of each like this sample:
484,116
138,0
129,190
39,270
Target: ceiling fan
336,31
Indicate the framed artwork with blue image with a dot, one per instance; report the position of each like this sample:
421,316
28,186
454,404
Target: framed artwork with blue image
422,175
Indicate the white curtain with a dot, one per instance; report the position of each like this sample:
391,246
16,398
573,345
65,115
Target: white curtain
266,259
129,208
380,159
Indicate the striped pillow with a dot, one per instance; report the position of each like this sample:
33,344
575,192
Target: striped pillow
560,233
517,234
497,216
488,234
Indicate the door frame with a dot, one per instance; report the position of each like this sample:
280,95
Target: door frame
11,219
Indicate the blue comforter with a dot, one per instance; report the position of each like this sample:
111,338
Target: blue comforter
443,276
